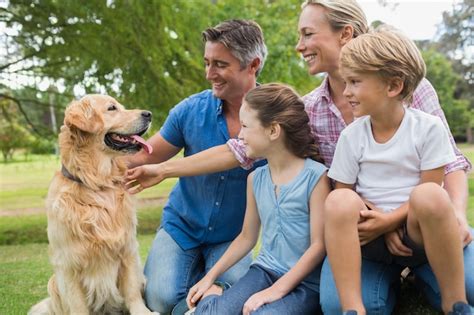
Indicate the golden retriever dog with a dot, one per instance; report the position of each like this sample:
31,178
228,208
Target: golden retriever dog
91,220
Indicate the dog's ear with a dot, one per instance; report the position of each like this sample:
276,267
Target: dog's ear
83,116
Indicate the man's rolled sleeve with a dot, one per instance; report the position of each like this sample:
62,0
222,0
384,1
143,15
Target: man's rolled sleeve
238,149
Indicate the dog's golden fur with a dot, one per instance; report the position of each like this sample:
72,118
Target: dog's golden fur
91,220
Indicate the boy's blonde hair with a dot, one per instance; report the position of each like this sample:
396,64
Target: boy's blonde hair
341,13
388,53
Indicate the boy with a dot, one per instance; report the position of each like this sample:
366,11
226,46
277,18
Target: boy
393,157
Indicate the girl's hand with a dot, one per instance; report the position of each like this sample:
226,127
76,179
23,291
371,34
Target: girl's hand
142,177
371,225
394,243
197,291
266,296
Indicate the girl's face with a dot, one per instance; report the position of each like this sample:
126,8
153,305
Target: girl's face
318,44
253,134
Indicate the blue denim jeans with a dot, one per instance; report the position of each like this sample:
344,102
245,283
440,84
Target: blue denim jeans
172,271
301,300
380,281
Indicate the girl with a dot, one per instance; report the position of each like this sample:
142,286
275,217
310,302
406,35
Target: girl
286,197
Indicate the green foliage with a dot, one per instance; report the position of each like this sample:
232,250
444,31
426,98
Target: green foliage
147,54
441,74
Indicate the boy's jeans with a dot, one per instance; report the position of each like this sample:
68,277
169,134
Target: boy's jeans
379,283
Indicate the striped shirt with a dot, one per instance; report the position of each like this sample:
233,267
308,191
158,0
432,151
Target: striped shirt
326,124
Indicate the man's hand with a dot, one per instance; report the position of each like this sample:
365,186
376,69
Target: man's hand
371,225
142,177
393,240
266,296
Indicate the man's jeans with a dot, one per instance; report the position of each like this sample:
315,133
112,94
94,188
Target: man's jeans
379,282
171,271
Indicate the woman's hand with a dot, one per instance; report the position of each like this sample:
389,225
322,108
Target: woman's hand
266,296
142,177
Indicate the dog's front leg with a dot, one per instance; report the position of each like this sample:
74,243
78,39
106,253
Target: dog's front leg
131,285
71,292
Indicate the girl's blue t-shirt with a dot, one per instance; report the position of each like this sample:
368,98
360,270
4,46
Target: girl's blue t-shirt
286,230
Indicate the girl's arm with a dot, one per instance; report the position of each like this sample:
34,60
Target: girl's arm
239,247
310,259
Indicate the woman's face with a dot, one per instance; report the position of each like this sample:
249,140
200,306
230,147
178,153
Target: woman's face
318,44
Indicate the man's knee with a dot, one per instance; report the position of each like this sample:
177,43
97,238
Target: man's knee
160,298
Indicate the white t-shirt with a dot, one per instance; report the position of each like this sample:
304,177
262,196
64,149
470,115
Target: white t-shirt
386,173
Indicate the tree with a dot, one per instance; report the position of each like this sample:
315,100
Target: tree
456,41
441,74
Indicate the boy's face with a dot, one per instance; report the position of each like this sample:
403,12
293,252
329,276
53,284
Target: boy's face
366,92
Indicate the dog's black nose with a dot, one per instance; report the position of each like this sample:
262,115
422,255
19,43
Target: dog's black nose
146,114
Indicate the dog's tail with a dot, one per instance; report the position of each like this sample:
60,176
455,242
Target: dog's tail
42,308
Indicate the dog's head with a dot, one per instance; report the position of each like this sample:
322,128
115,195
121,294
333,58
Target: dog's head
105,122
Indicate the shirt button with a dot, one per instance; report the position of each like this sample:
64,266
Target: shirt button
217,203
210,228
222,177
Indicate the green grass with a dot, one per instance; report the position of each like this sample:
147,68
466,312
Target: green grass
25,271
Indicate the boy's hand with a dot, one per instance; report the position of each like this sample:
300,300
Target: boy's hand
393,240
371,225
142,177
266,296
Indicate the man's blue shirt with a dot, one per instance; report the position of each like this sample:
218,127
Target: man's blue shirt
206,209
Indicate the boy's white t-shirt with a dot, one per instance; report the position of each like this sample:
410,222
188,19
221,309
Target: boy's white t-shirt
386,173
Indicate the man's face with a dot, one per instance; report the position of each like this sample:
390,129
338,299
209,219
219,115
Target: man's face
229,81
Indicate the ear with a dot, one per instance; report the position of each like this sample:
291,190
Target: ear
347,34
83,116
255,64
395,87
274,131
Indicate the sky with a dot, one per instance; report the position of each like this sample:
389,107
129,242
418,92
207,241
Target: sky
418,19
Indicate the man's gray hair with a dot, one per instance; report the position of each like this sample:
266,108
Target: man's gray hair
244,39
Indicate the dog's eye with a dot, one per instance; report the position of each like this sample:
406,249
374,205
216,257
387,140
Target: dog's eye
112,107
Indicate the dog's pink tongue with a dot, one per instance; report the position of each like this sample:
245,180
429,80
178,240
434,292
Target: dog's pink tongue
148,148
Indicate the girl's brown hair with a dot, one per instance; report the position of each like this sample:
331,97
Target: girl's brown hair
279,103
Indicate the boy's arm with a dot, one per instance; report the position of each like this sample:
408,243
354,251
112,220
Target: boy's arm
239,247
310,259
375,223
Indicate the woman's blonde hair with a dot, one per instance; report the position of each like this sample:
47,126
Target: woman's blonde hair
388,53
341,13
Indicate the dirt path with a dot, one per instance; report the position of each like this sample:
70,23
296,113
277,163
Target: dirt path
141,203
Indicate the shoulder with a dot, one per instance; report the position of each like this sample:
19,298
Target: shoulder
357,127
315,166
425,97
314,97
421,119
205,96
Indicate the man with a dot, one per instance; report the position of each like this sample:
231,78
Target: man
204,213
